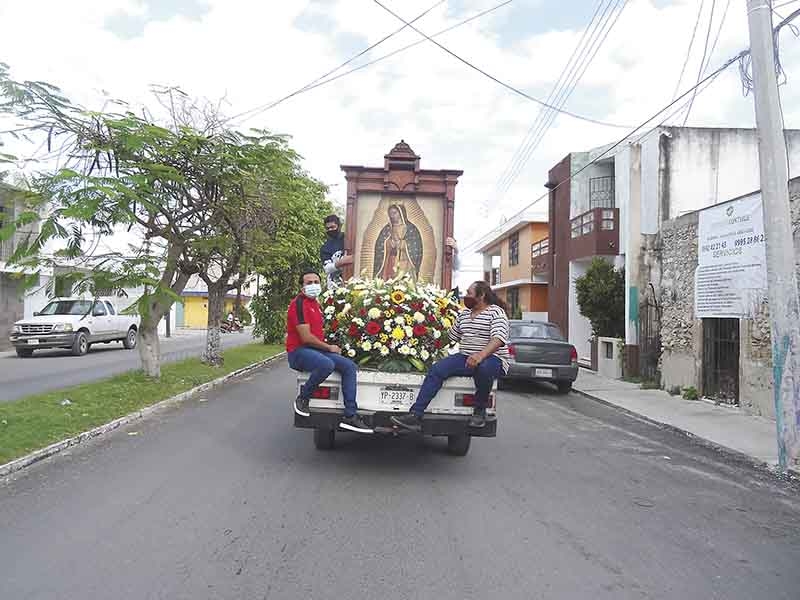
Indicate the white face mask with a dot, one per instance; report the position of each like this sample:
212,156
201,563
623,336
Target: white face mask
312,290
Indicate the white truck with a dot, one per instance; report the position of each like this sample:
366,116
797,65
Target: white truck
382,394
74,324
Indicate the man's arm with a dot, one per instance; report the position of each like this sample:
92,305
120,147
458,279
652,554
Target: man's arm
309,340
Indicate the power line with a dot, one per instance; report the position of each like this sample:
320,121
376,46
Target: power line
275,103
565,94
703,58
493,78
713,75
689,49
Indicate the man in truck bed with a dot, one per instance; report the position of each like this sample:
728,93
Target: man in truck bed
308,352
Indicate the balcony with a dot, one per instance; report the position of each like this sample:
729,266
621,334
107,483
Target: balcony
541,261
594,233
601,192
495,277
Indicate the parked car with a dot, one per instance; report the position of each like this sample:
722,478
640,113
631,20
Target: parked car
74,324
540,353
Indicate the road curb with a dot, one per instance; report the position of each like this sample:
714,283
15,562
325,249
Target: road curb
738,454
53,449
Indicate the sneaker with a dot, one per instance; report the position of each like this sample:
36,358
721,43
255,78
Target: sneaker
410,421
301,406
355,423
478,419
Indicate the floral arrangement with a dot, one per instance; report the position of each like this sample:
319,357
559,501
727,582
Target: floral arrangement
397,325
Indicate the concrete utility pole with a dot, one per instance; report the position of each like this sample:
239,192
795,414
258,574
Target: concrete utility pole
782,280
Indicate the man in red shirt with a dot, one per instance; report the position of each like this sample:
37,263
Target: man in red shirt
308,352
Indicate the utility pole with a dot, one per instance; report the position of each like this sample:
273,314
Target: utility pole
782,280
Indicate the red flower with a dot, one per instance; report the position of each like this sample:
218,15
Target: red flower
334,325
431,319
330,302
420,330
373,328
353,331
416,306
362,312
443,311
437,344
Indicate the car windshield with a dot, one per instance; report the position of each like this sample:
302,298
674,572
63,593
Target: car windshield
536,330
67,307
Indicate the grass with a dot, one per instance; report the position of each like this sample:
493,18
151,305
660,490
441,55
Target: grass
36,421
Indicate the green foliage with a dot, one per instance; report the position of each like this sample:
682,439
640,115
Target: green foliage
244,316
690,393
601,298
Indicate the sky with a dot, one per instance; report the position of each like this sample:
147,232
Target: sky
247,53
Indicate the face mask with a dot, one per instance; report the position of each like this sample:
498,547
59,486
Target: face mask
332,234
470,302
312,290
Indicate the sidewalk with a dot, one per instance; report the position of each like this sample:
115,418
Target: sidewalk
727,428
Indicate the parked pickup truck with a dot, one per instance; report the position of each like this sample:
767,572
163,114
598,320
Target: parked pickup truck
381,395
74,324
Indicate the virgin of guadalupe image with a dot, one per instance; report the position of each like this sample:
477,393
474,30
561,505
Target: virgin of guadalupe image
398,249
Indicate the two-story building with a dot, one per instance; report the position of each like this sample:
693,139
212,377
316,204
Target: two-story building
516,265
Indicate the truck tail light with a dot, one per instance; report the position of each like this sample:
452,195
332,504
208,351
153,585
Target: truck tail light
512,351
573,356
469,400
322,393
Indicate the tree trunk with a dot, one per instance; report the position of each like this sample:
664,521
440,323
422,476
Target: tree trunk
149,349
216,305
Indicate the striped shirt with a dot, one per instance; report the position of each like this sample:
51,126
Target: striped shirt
474,332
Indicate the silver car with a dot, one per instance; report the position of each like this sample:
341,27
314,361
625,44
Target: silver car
540,353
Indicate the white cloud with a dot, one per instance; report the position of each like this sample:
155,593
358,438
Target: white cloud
253,52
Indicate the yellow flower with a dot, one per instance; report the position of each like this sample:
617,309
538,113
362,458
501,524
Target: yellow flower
384,338
398,333
398,297
408,320
414,341
447,323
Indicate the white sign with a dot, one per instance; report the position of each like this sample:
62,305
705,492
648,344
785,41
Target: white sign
731,274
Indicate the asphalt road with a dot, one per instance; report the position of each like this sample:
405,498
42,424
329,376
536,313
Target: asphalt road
52,369
222,498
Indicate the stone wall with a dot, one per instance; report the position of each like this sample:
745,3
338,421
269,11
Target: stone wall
681,333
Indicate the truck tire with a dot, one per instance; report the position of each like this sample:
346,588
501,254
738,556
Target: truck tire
130,339
24,352
80,345
324,439
458,445
564,387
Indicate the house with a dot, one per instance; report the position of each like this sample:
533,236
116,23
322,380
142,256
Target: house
192,311
612,204
515,264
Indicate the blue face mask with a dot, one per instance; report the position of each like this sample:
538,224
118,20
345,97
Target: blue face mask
312,290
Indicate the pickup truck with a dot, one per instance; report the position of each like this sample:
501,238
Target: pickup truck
382,394
74,324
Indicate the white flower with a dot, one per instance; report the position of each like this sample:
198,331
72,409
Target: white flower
358,322
419,317
413,351
424,354
400,320
366,346
387,325
374,313
404,350
347,308
384,351
367,301
437,334
351,353
409,331
330,310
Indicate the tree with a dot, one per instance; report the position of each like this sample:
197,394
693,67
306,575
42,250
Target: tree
601,298
195,196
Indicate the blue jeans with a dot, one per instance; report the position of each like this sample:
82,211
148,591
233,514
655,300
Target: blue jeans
455,365
320,365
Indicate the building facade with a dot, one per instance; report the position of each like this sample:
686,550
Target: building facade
614,209
515,265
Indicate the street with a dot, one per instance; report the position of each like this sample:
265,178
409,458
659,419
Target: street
223,498
53,369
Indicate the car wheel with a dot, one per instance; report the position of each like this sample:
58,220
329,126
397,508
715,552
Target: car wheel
458,445
80,345
564,387
130,340
324,439
502,384
24,352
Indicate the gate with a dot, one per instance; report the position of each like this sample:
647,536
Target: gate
721,359
650,337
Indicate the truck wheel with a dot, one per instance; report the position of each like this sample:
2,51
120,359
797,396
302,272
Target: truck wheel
130,340
564,387
458,445
80,344
324,439
24,352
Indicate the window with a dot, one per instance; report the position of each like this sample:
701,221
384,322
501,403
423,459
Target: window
601,192
607,223
99,309
540,248
110,307
582,224
537,330
513,301
513,250
67,307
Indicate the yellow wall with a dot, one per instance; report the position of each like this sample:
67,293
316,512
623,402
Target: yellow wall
195,311
528,236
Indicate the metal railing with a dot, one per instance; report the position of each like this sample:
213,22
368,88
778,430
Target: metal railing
601,192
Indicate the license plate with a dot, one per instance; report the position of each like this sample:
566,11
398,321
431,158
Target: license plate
397,397
33,342
548,373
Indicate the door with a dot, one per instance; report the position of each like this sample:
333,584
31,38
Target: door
117,322
101,322
721,359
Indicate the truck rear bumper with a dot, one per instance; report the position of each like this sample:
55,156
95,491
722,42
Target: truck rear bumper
432,423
